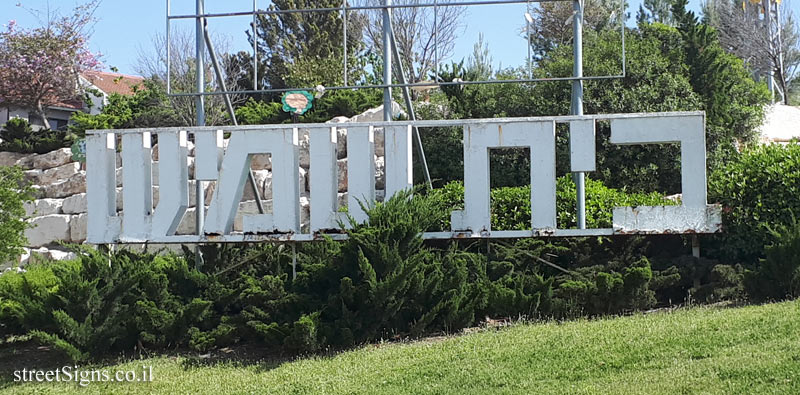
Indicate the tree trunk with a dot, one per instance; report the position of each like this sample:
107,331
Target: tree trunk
42,114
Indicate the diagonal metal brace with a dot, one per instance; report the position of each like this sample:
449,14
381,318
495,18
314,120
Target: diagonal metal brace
228,104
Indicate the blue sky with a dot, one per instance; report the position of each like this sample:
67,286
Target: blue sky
124,27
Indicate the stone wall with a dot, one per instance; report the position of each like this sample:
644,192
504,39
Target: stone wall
59,212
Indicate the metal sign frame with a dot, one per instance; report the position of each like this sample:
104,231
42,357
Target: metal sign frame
344,9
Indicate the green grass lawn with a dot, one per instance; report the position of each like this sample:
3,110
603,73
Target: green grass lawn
753,349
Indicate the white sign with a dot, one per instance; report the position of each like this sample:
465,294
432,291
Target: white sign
139,222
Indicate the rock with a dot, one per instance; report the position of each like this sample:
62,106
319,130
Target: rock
376,114
25,162
339,119
118,161
38,191
261,162
380,142
59,173
48,229
77,228
303,180
32,176
304,143
41,207
58,255
74,204
261,177
74,185
26,255
380,173
10,158
38,255
341,143
52,159
209,192
305,211
341,166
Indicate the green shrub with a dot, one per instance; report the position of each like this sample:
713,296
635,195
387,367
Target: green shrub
778,275
18,136
102,303
511,209
13,194
759,190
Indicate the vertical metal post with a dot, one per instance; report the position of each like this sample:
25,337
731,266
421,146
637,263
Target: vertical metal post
344,38
768,26
387,61
169,50
255,46
201,121
435,39
577,101
528,34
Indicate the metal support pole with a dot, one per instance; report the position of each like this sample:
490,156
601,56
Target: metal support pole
768,26
344,39
201,121
409,104
169,51
577,102
255,46
221,84
387,61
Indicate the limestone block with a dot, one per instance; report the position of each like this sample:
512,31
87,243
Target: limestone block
209,192
59,173
305,211
41,207
74,204
380,172
380,142
303,180
261,177
33,176
10,158
341,143
48,229
25,162
74,185
77,228
58,255
339,119
341,166
304,142
38,191
261,162
52,159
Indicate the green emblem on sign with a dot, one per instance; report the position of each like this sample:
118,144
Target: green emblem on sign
297,102
79,150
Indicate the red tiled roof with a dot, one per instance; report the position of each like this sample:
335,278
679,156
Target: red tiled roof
113,82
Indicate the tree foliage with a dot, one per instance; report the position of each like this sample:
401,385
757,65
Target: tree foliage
40,67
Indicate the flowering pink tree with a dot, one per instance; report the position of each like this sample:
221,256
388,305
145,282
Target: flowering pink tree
40,67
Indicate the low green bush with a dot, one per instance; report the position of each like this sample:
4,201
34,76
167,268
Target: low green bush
759,191
18,136
777,276
510,206
14,192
